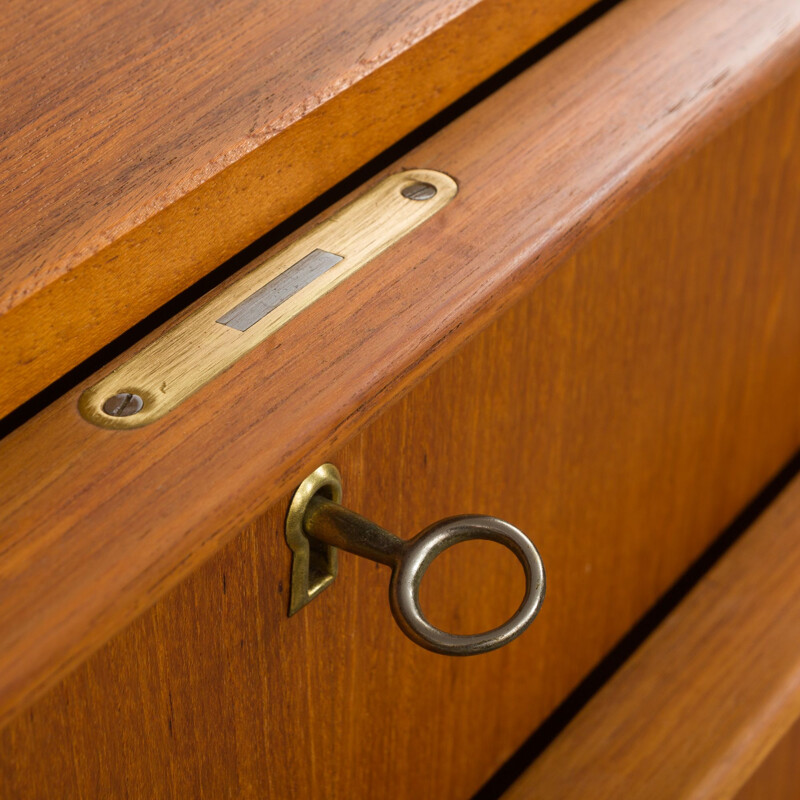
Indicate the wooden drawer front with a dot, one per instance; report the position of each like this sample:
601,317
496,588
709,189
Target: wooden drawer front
626,401
97,525
621,415
710,705
223,102
778,775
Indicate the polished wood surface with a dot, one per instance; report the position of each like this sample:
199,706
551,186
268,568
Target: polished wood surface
621,415
144,143
778,777
703,702
96,525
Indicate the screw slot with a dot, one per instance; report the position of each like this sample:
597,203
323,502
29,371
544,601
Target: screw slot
419,191
123,404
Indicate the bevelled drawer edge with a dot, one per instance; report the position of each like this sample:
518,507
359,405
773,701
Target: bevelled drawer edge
702,703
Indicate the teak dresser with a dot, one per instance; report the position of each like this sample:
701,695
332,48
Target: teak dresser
536,263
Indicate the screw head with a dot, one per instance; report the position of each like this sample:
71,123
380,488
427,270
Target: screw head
123,404
419,191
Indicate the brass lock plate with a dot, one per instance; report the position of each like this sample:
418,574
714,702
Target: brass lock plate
213,338
314,563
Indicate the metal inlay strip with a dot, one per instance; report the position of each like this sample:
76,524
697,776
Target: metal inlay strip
279,289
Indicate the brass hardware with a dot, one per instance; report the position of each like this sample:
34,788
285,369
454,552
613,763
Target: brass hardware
319,518
215,336
314,563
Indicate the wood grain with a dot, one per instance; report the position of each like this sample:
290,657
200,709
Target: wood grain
701,704
198,349
778,777
144,144
97,525
621,414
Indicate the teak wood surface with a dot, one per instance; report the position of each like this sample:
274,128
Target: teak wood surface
144,143
778,776
698,708
621,414
96,525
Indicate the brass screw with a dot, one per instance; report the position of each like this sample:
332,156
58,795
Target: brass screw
123,404
419,191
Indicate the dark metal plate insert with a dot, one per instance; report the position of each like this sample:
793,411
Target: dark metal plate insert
279,289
